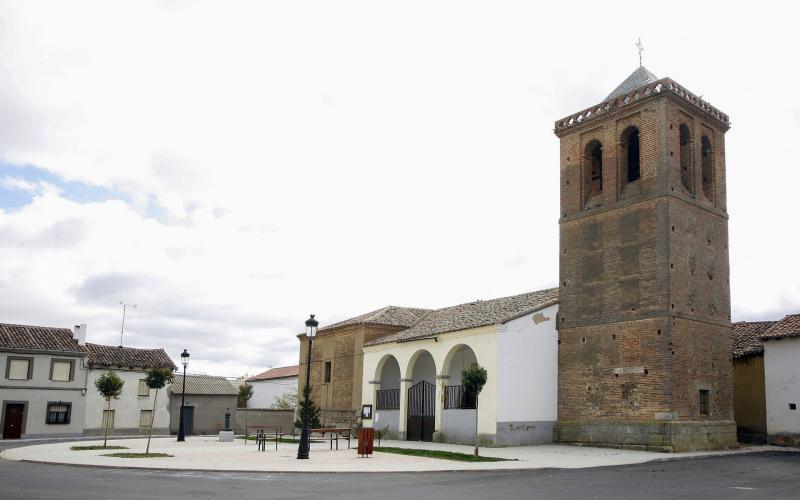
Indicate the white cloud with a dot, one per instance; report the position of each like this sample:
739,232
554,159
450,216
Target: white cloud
282,159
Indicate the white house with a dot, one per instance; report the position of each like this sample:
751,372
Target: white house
43,372
272,384
132,412
413,377
782,380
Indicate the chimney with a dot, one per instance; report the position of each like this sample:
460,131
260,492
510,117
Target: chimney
80,334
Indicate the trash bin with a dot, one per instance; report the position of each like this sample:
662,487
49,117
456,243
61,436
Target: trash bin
366,435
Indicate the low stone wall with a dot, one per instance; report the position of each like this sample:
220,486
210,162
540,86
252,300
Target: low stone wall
262,416
649,435
524,433
785,439
388,420
127,431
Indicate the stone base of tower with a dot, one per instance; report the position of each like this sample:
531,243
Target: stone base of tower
650,435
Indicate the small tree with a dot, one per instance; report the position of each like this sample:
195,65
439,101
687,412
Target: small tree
109,385
286,401
245,394
313,411
473,379
156,379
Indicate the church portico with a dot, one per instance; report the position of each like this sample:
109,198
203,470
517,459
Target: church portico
416,388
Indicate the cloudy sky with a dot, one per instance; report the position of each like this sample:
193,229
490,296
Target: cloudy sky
231,167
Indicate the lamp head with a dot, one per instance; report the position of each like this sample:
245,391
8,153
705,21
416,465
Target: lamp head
185,357
311,327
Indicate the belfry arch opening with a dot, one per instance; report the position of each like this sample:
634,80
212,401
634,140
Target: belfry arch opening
593,170
707,168
631,157
686,157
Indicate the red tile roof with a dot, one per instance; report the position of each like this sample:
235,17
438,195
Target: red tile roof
128,357
789,326
38,338
280,372
746,337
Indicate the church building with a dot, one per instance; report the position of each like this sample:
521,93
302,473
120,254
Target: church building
633,349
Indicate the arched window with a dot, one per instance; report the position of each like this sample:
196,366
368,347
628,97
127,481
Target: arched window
687,161
707,168
630,154
593,170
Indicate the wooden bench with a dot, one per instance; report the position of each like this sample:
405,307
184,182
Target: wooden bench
335,432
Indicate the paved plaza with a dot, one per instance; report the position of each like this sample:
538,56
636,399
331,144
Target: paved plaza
206,453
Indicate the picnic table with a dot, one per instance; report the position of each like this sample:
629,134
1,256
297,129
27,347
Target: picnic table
335,432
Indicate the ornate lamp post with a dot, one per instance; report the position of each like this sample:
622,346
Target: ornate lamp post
311,331
184,362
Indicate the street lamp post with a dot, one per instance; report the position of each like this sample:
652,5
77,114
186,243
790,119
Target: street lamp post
311,331
184,361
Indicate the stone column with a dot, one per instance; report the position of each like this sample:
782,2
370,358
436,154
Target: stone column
369,399
402,419
441,382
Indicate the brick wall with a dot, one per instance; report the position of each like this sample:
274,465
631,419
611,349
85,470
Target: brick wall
644,314
343,348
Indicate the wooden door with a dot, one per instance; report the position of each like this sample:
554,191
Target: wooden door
12,427
188,420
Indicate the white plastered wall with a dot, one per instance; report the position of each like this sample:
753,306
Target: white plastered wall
129,405
529,369
265,391
782,384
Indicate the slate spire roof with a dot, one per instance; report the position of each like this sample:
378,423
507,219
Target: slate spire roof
636,79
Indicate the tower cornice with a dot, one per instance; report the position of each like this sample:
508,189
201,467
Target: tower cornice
619,103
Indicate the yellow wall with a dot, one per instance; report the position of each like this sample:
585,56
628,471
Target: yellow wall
749,399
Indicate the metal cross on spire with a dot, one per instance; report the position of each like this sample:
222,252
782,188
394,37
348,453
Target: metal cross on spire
640,48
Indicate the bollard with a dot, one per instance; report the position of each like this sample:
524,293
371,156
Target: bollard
227,419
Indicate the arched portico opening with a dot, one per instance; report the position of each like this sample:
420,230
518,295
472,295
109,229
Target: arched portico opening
458,359
388,376
458,410
421,397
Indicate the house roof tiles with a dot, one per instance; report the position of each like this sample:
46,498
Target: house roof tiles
389,315
473,315
204,385
789,326
110,356
38,338
746,337
279,372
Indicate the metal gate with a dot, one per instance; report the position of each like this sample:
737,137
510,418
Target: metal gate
421,411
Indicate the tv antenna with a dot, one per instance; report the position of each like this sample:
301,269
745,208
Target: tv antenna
124,308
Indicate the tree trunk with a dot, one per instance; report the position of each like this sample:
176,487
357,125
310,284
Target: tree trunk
152,419
105,427
476,425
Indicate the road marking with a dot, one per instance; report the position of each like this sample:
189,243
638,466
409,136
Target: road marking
742,488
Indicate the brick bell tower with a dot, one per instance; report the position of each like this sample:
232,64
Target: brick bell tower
644,321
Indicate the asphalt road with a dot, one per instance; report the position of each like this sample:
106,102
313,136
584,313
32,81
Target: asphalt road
763,475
